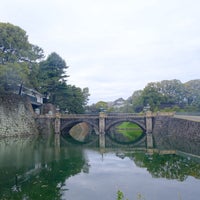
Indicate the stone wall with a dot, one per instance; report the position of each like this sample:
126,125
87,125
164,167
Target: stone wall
179,134
45,126
16,116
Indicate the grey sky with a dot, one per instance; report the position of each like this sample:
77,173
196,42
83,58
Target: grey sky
114,47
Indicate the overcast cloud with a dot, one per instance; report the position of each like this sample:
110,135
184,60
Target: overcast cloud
114,47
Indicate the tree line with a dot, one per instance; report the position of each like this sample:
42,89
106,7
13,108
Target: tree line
166,95
23,63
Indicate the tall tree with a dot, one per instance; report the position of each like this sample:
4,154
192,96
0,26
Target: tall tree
193,94
173,90
70,98
86,95
152,96
15,47
51,73
169,95
137,101
17,56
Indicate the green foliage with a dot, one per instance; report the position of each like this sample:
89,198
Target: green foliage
52,81
11,74
152,96
17,56
51,73
20,62
98,107
120,195
193,93
43,182
72,99
15,47
13,43
86,95
137,101
168,95
168,166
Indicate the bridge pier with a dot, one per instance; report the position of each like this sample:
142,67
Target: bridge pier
102,125
57,141
57,123
149,129
102,141
149,123
149,140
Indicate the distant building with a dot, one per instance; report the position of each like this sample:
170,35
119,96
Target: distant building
119,103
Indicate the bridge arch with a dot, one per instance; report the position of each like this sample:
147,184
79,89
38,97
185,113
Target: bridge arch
66,125
117,121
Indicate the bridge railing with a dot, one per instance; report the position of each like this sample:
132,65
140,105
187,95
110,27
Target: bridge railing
124,115
164,114
79,115
141,114
114,115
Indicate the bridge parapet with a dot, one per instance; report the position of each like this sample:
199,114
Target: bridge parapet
125,117
164,114
78,116
125,114
132,115
108,115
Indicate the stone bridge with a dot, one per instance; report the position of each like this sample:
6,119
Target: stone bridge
162,130
102,122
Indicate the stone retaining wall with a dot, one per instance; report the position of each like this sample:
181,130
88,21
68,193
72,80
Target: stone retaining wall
45,126
16,116
179,134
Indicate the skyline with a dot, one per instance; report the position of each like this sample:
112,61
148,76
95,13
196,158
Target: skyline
112,47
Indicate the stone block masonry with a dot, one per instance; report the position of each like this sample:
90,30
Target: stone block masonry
178,134
16,116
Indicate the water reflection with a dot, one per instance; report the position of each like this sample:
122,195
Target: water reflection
32,169
167,166
125,133
44,168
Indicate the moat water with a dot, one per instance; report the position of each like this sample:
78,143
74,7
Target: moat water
40,168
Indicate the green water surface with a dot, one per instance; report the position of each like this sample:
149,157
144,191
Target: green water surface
40,168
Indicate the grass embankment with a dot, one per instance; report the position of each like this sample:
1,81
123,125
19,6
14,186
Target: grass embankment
130,130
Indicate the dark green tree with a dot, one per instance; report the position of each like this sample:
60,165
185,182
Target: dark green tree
137,101
17,56
173,90
15,47
51,73
52,82
21,63
86,95
71,99
152,96
168,95
193,94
